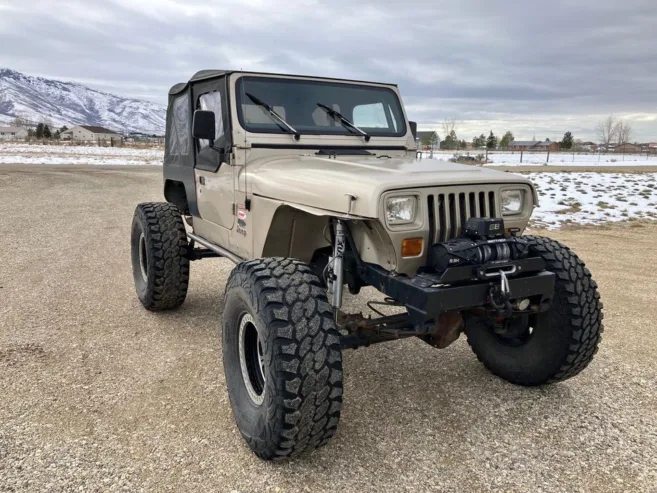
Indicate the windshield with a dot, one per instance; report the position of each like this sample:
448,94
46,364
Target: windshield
375,110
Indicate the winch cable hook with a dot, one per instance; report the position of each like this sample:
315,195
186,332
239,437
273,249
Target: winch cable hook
500,297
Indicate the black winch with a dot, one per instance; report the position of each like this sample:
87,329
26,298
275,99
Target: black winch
483,241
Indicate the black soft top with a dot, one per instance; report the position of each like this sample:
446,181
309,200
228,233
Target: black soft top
213,73
198,76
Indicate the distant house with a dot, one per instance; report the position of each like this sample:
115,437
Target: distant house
429,136
533,145
547,146
12,133
586,146
628,148
89,133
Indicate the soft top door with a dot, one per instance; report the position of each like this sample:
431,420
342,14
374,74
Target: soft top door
214,175
178,146
211,95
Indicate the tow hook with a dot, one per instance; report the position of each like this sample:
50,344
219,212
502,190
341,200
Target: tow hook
500,297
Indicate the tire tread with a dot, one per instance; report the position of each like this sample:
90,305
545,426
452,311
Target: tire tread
580,315
307,355
168,247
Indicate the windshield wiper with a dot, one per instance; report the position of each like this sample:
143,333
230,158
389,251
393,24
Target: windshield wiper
280,121
345,123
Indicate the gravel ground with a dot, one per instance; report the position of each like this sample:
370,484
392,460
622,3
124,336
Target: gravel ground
97,394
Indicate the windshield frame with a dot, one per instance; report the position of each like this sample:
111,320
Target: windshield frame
239,100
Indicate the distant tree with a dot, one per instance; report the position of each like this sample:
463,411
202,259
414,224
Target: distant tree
19,121
63,129
448,126
547,140
567,141
430,140
506,140
39,131
47,134
623,132
463,144
478,142
491,142
607,130
451,142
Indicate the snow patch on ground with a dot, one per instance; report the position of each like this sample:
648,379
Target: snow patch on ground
565,159
565,198
593,198
556,159
73,155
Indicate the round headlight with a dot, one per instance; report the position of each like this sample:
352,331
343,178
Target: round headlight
512,201
401,210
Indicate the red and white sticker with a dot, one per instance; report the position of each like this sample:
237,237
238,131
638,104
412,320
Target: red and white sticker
241,214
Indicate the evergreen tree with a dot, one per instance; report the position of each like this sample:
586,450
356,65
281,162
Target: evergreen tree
451,142
567,141
491,142
506,140
39,131
478,142
46,132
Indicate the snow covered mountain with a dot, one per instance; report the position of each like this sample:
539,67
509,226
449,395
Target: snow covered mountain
69,103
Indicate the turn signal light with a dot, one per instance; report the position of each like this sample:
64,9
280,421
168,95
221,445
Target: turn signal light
411,247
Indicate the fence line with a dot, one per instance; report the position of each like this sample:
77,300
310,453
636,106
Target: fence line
650,153
112,142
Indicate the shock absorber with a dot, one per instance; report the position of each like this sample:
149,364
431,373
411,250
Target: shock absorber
336,266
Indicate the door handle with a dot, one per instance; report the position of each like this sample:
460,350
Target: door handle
201,180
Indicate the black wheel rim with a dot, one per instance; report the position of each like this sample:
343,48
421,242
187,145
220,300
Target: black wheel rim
252,359
518,331
143,258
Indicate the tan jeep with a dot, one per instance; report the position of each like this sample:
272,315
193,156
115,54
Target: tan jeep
312,184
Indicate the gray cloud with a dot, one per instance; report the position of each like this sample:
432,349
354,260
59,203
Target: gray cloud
535,69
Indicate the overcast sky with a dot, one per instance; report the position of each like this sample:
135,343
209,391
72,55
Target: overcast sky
536,68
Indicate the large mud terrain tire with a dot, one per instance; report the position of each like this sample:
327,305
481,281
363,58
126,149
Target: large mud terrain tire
554,345
160,265
282,358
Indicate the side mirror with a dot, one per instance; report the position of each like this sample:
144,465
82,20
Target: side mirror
203,125
413,129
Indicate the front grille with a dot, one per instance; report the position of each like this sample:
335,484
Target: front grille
449,211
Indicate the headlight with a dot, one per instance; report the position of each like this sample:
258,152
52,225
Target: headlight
512,201
401,210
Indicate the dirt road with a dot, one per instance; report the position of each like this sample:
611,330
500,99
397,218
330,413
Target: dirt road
97,394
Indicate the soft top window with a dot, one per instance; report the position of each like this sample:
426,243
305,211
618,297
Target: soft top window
211,101
178,135
376,110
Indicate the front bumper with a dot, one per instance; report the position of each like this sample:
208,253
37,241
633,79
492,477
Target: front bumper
426,295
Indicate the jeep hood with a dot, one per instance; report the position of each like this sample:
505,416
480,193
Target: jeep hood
325,183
